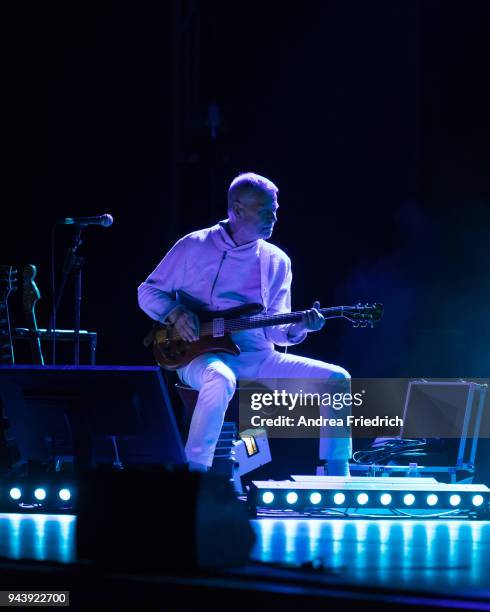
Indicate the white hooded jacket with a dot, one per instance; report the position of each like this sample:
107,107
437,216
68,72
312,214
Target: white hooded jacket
206,270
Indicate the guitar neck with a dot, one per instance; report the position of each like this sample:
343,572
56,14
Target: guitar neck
8,283
257,321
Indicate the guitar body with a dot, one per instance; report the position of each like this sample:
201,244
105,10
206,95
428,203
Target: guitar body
30,296
171,352
175,354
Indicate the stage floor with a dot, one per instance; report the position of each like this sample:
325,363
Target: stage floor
450,557
39,537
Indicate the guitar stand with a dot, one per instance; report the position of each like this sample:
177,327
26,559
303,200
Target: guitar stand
117,463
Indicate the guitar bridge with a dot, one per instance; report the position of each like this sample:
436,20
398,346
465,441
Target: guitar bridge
218,328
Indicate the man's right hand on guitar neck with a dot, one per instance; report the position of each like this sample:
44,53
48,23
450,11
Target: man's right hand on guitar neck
185,322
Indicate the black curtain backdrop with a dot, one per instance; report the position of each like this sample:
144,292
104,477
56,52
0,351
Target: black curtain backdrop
372,118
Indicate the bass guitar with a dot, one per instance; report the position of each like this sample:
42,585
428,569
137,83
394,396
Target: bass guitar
172,352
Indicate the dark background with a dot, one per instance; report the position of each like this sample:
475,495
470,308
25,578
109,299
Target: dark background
372,118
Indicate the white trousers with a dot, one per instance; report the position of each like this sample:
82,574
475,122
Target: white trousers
214,375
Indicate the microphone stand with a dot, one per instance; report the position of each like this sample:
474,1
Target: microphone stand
73,262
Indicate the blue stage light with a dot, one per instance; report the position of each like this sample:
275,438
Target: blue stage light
15,493
409,499
477,500
40,494
339,498
268,497
64,494
292,497
432,499
385,499
362,499
315,498
455,500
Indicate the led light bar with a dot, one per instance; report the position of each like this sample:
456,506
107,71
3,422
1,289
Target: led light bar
314,494
49,494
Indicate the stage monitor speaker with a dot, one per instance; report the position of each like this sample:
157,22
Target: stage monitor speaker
153,520
83,411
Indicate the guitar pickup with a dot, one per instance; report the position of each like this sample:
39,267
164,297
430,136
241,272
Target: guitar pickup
218,328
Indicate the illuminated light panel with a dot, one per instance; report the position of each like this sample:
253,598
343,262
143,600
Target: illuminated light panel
310,493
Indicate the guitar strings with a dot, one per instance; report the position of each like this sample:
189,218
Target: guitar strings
284,318
257,321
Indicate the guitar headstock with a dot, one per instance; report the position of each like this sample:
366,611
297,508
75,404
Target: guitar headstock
8,281
363,315
30,293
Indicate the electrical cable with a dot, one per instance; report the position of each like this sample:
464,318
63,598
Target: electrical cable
390,450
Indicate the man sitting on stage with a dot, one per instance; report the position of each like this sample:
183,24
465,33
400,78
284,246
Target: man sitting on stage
221,267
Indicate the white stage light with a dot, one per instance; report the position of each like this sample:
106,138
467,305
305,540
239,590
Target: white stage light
409,499
64,494
40,494
362,499
477,500
15,493
385,499
268,497
315,498
432,499
455,500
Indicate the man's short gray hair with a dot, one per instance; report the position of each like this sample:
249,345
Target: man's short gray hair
248,184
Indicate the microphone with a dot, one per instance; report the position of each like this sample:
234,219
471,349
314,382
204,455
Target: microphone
102,220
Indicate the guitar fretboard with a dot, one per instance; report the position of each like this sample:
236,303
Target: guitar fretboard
8,280
258,321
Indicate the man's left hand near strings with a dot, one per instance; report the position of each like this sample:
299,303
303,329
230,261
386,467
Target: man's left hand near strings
313,320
